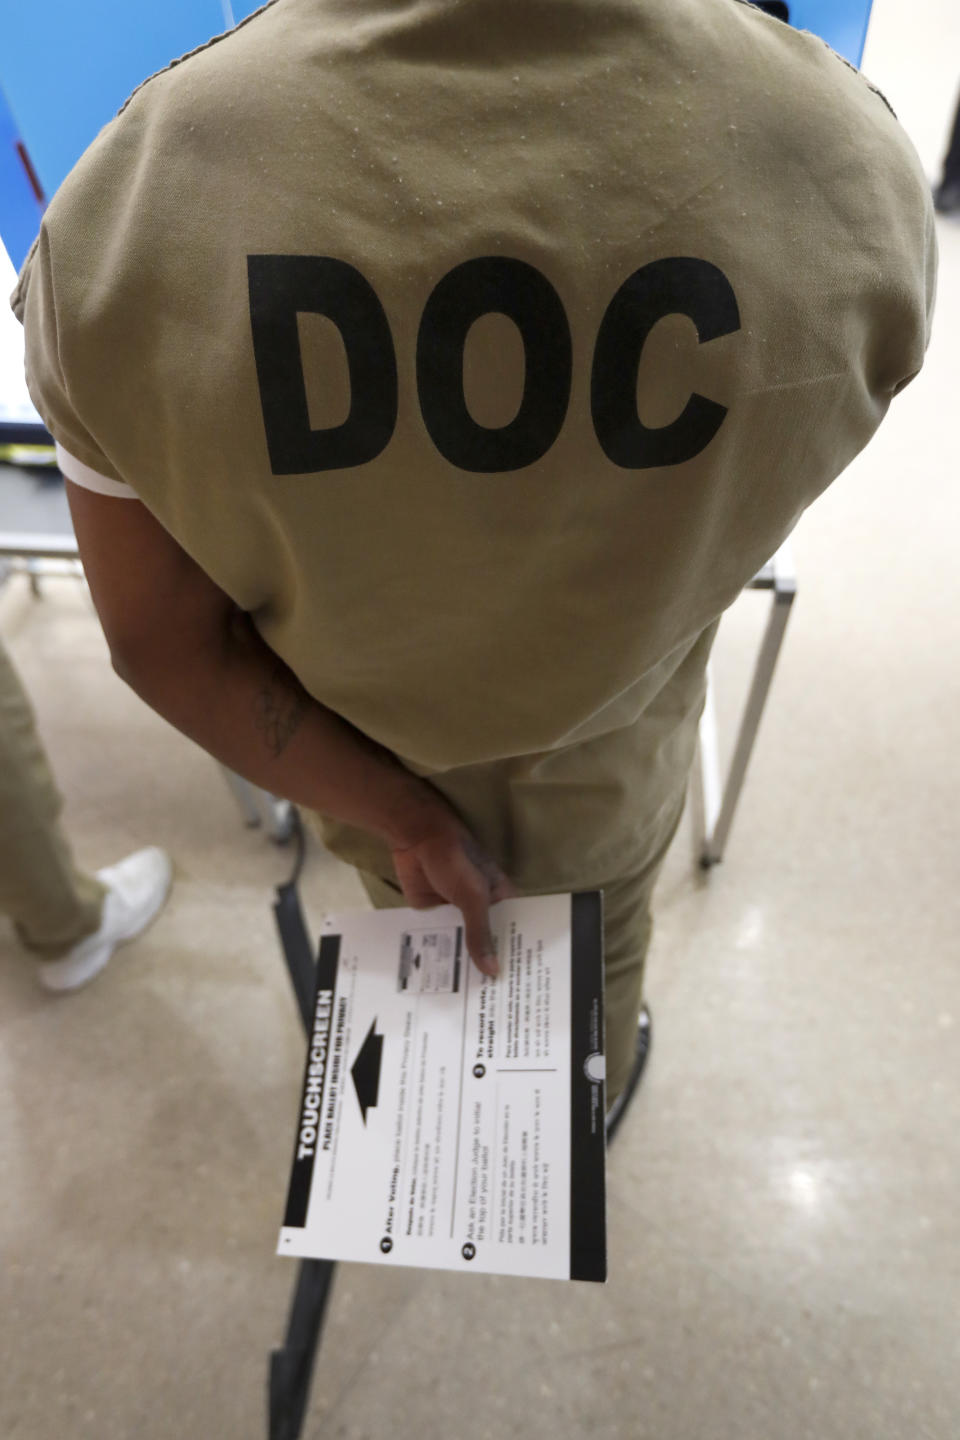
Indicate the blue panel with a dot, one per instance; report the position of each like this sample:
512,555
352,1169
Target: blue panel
20,210
842,23
67,68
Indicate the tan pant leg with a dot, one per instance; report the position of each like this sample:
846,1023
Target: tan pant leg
627,927
53,904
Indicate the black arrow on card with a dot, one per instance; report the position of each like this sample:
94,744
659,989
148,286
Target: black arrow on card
366,1070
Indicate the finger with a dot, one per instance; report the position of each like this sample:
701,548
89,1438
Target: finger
485,863
471,896
417,890
500,886
503,889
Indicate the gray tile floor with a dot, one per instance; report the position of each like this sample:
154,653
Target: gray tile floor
784,1231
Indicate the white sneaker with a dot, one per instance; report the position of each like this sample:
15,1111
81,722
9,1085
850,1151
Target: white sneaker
137,888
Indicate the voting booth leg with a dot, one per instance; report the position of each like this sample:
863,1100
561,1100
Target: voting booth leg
258,807
291,1367
719,805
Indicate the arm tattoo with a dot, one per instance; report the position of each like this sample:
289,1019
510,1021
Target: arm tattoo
281,701
280,705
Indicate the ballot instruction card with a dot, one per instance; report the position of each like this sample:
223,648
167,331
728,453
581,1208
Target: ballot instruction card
447,1119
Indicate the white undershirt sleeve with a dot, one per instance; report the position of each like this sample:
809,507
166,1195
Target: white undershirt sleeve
81,474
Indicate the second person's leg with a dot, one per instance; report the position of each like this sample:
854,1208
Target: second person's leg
52,903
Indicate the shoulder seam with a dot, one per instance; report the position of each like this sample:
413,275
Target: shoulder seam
18,298
835,53
214,40
869,83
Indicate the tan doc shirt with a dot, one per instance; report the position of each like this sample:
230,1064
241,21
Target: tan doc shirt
272,299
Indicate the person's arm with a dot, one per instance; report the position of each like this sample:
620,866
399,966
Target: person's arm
193,656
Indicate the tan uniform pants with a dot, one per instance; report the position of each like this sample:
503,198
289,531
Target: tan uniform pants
53,905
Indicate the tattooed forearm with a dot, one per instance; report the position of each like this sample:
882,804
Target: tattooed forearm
280,702
279,707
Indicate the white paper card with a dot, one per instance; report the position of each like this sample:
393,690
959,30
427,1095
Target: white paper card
449,1120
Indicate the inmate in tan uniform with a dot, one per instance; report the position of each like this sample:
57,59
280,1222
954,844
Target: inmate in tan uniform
483,350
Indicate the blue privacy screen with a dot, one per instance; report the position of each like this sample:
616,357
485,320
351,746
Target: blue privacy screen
65,71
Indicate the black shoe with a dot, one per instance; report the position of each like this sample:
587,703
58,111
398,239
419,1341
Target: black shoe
619,1107
946,197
